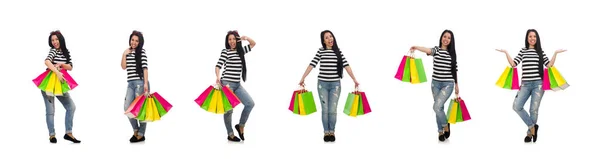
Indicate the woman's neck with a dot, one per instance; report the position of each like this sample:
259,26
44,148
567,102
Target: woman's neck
531,47
328,47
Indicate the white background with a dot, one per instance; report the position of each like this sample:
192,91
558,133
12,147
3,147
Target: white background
183,43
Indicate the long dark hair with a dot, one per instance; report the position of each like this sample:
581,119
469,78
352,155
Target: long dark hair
63,45
452,52
239,48
538,50
138,52
336,50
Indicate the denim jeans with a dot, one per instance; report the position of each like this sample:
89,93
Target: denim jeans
533,89
441,92
67,102
135,88
245,98
329,94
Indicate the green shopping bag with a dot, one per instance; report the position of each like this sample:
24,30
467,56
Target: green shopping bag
161,109
553,83
309,102
349,102
508,83
44,83
206,103
142,114
361,110
226,104
296,103
420,70
459,117
406,74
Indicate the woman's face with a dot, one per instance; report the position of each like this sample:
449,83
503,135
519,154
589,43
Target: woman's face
55,42
135,41
328,40
531,38
231,40
446,39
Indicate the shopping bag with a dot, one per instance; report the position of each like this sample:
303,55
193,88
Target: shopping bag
546,80
355,103
162,101
420,70
400,72
308,102
553,83
560,81
452,112
349,103
216,101
141,116
365,103
204,95
231,97
406,74
515,80
208,100
414,75
508,83
463,109
291,107
68,79
502,80
38,80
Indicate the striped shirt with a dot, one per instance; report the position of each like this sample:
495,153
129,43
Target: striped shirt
442,69
233,64
530,64
328,67
57,57
131,66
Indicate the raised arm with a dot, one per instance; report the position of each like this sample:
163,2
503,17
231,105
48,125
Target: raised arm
250,40
511,62
124,58
422,49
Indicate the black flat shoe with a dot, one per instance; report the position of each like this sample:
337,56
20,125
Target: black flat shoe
527,138
442,137
326,138
135,139
234,139
132,139
53,139
237,127
535,135
332,138
67,137
447,133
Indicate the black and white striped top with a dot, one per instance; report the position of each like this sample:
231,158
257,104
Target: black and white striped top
56,57
233,64
530,64
442,68
328,66
131,66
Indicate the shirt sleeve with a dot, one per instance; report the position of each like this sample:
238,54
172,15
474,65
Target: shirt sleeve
519,58
546,60
315,60
144,60
434,50
51,55
344,62
222,59
247,49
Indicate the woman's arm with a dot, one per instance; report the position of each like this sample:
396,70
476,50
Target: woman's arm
551,63
422,49
308,69
349,70
511,62
250,40
124,59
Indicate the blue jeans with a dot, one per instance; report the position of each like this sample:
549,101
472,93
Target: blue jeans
329,94
67,102
441,92
135,88
245,98
533,89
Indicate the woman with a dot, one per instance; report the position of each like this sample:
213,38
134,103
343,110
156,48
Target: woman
330,73
134,60
233,59
531,81
59,58
444,78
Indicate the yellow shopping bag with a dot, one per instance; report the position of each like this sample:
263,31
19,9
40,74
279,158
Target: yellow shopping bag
50,88
453,112
501,81
214,102
560,81
58,88
414,75
301,104
354,110
155,114
150,110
